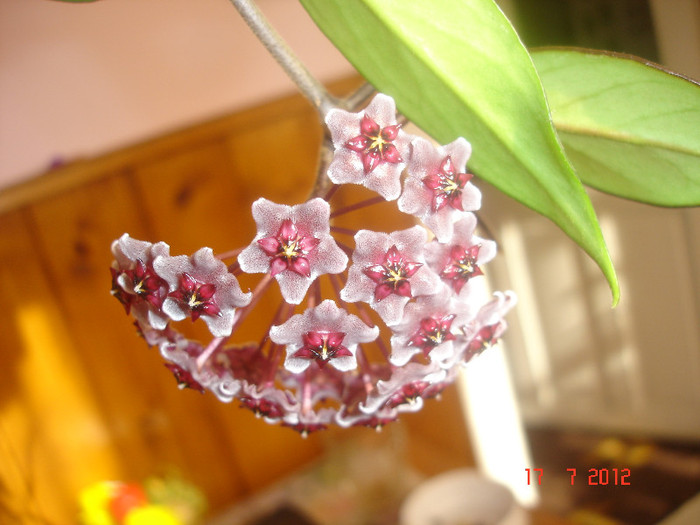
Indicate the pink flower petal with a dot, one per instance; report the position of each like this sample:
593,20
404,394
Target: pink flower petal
359,144
404,289
270,245
206,291
389,133
307,244
368,126
277,266
312,339
382,291
288,231
371,160
335,338
301,266
391,154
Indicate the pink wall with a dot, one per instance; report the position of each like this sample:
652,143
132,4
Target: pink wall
78,80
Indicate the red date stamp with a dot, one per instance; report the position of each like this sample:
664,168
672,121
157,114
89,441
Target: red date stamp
594,476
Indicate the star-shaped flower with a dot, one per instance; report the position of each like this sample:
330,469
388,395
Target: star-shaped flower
484,339
375,144
388,270
294,245
289,249
392,276
184,378
437,188
355,392
325,334
382,416
201,285
370,148
307,422
219,374
432,331
136,284
180,354
430,326
267,402
404,390
484,328
461,257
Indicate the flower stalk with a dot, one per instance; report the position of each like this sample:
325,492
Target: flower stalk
285,57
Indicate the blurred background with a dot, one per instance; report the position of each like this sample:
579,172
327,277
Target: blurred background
166,119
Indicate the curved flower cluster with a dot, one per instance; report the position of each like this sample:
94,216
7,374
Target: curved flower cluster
323,359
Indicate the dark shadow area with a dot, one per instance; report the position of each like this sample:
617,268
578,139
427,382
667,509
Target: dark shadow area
624,480
624,26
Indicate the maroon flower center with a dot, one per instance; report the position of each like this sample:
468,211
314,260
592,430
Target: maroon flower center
184,378
289,250
305,428
146,283
376,422
461,266
447,186
322,346
392,275
408,394
375,144
197,297
433,332
483,340
118,292
262,407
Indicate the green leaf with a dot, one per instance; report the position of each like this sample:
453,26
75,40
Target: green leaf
629,127
457,68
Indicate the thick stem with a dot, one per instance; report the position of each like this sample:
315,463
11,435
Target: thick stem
307,84
359,97
323,185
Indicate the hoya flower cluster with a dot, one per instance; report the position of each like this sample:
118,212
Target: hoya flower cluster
369,323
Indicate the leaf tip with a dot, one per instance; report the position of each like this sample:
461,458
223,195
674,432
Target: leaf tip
614,288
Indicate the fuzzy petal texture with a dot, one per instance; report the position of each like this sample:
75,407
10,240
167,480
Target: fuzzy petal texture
205,269
268,402
127,251
492,312
486,327
130,256
307,422
445,258
376,419
378,173
454,195
181,354
310,221
403,390
441,314
326,318
371,250
212,376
